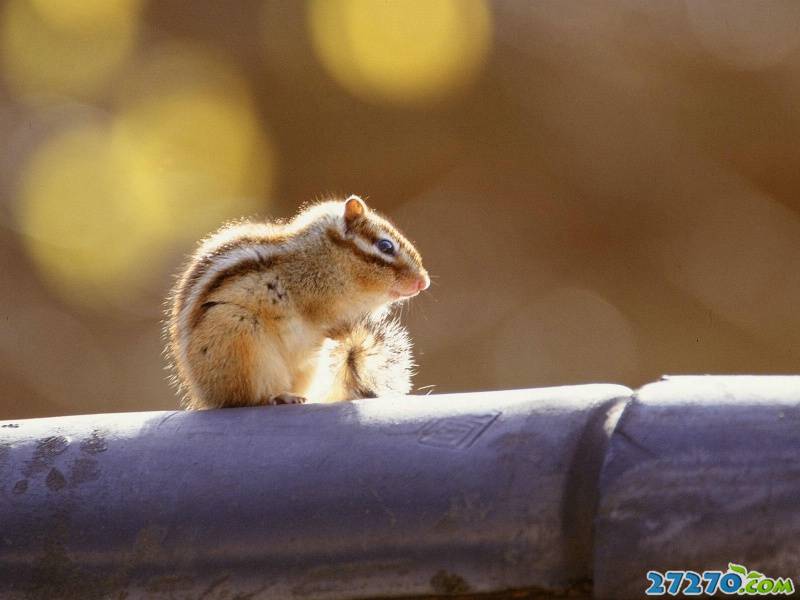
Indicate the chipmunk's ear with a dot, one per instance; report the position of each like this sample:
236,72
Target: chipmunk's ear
354,208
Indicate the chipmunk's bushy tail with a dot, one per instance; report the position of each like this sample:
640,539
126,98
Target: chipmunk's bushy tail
372,357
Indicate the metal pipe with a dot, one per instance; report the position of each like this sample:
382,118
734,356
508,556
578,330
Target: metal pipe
701,472
540,492
376,498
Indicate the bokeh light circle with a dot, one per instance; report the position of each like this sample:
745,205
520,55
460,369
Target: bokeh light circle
87,15
63,48
408,52
102,202
82,225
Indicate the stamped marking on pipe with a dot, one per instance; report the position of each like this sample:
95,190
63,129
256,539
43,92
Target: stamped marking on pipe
456,433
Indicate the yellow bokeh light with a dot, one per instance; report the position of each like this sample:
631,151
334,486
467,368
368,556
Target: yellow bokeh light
83,226
87,15
194,156
102,203
404,52
63,48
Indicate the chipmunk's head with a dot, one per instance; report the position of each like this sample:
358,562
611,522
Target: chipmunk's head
387,264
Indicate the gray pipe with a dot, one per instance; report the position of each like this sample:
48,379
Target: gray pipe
405,497
700,472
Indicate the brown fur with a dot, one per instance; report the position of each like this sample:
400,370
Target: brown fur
251,312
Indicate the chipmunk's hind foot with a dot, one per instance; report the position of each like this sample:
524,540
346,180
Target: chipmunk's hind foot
285,398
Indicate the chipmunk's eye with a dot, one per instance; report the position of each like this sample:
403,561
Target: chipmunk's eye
385,246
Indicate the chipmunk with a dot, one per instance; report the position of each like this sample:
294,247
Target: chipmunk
282,313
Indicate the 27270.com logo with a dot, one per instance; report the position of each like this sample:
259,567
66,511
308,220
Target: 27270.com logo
736,580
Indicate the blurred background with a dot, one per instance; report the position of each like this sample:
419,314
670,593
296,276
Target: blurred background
604,191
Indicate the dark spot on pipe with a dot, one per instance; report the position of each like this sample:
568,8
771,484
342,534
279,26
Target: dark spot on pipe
448,583
46,450
52,446
95,443
21,486
55,480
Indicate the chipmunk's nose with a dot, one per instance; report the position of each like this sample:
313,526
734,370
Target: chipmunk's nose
423,282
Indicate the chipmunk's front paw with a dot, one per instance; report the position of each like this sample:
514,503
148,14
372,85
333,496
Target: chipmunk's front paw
285,398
